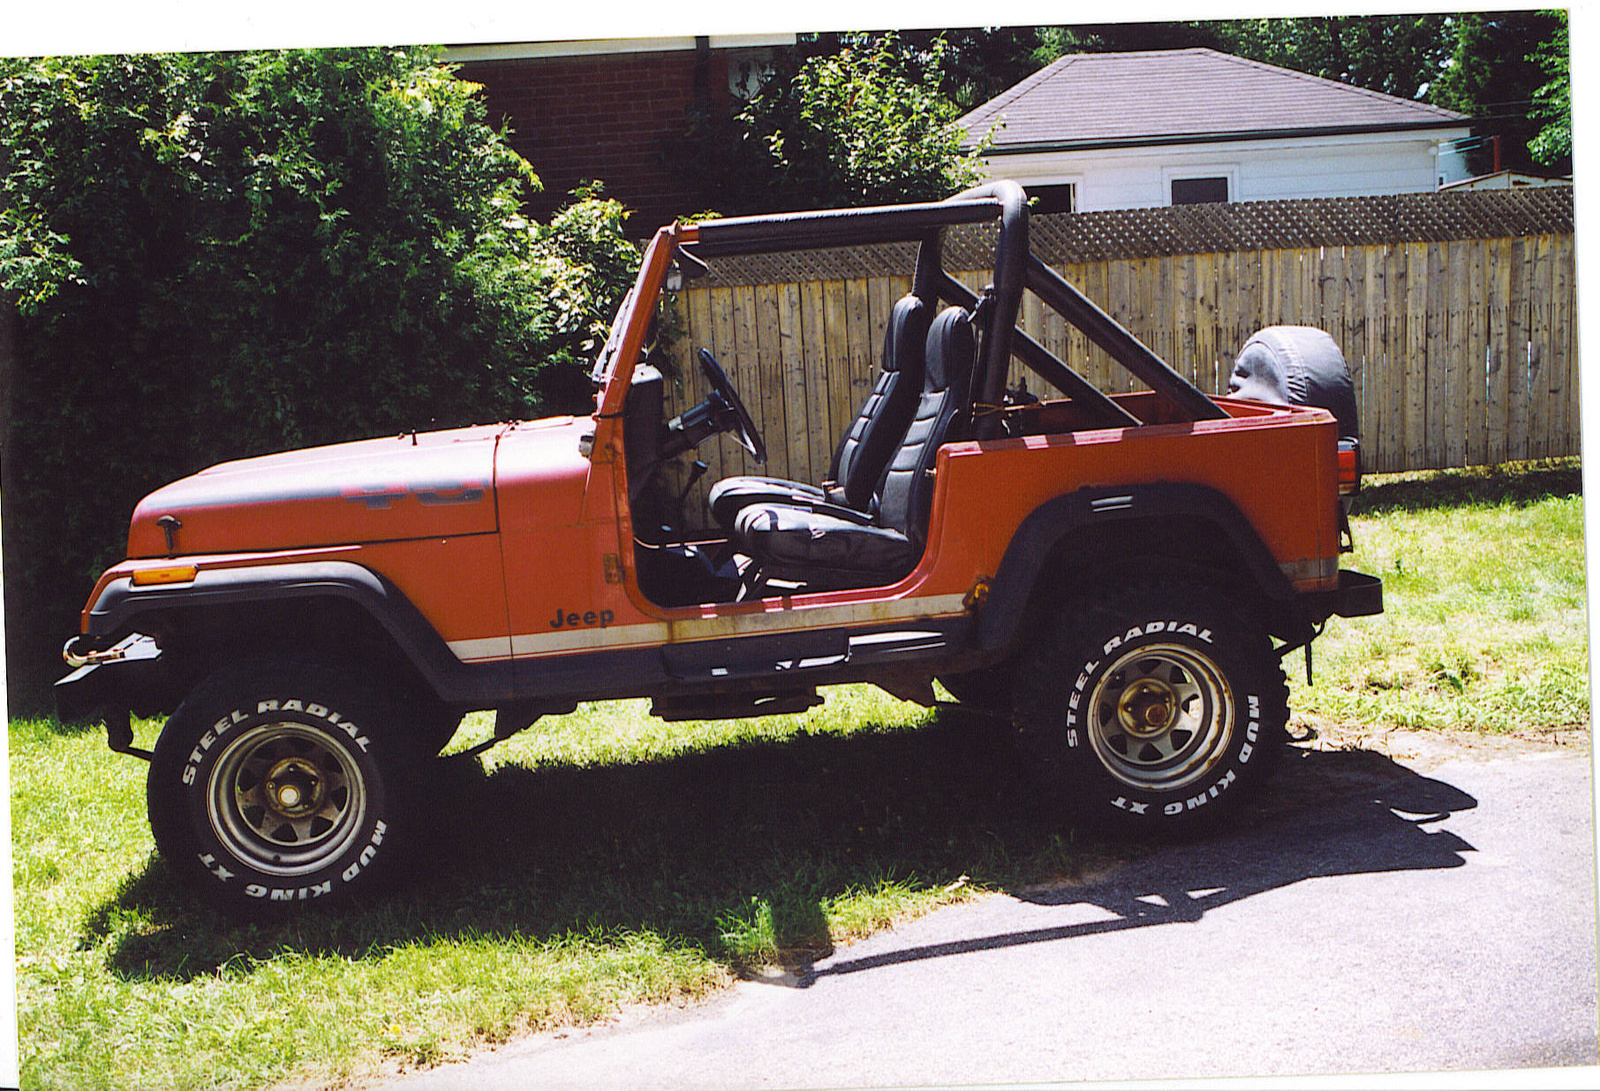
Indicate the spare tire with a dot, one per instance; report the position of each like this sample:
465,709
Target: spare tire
1297,365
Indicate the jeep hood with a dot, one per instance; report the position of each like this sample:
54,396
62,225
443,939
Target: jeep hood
412,486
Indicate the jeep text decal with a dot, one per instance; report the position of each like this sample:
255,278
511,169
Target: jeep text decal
565,620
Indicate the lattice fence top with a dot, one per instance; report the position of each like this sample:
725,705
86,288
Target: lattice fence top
1065,238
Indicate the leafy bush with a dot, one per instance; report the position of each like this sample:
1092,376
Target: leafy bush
219,255
866,125
1552,101
584,266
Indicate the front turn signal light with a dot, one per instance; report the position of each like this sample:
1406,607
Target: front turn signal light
173,573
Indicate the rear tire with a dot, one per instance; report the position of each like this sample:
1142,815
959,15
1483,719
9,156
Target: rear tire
280,782
1151,708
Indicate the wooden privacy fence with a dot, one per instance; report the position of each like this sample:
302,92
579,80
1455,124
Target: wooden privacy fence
1457,314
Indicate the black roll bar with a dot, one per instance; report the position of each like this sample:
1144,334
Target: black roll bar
1123,347
823,228
1015,269
1106,412
1010,274
930,276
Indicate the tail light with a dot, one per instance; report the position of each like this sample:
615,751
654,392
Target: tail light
1349,466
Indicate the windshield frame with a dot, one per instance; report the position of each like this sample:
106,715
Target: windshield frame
631,328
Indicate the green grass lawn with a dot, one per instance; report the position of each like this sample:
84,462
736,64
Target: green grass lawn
607,858
1484,624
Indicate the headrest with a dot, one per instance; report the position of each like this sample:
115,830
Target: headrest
907,331
952,351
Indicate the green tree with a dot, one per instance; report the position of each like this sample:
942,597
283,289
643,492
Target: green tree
212,256
977,63
1491,75
1395,54
865,125
1398,55
1552,101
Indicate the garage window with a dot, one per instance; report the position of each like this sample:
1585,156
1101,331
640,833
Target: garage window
1199,191
1057,198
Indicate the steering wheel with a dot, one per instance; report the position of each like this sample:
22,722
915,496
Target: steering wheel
744,429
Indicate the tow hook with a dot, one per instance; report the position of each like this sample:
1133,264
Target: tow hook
131,647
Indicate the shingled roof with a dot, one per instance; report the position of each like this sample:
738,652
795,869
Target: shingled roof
1097,100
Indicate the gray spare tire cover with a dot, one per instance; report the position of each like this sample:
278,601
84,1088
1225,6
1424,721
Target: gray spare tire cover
1297,365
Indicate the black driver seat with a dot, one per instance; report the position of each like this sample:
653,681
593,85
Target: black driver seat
826,546
860,458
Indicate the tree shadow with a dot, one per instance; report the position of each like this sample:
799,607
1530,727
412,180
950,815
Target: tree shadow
691,846
1515,483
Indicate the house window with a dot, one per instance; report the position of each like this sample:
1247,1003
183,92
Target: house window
1056,198
748,69
1199,191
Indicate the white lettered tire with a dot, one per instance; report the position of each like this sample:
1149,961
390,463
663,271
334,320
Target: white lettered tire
280,783
1151,707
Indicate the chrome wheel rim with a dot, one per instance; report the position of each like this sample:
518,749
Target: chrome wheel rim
1160,717
284,801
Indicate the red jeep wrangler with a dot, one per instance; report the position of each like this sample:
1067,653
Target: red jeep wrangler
1124,573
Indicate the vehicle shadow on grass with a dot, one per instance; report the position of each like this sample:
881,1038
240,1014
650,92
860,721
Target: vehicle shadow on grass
700,847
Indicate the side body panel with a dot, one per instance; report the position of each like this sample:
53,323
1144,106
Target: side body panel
568,601
559,526
988,489
470,606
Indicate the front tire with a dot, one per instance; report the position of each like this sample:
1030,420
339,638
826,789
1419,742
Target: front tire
987,689
1152,708
280,782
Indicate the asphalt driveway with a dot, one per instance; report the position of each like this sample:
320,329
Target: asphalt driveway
1430,911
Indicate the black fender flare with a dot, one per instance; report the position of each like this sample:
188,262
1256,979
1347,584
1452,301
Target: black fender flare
121,605
1052,522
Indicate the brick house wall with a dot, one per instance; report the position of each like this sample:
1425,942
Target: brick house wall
605,116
